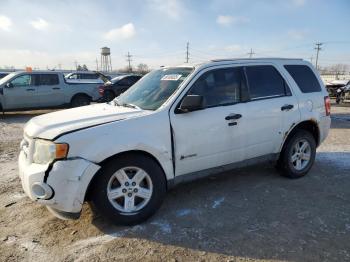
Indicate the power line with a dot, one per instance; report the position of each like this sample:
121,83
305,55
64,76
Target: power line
187,52
318,49
128,59
251,53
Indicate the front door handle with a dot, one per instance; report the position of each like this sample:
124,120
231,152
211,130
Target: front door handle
233,117
30,89
286,107
56,88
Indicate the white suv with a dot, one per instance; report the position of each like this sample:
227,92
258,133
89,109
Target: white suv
176,124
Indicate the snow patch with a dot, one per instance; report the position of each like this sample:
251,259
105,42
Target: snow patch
164,226
218,202
92,241
183,212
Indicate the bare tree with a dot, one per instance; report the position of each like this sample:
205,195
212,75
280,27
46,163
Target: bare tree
142,68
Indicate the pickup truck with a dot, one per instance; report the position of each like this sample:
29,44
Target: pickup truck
44,89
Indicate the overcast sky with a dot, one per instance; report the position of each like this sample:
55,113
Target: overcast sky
42,33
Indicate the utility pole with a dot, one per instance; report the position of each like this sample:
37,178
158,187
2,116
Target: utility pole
96,64
318,49
76,65
187,52
128,59
251,53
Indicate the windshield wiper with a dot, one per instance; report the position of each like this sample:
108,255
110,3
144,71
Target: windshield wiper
116,103
130,106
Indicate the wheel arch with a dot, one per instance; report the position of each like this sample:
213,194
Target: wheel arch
80,94
120,154
307,125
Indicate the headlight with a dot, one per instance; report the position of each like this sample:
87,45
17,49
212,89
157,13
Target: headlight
46,151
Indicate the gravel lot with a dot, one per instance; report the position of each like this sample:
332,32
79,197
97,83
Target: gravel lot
248,214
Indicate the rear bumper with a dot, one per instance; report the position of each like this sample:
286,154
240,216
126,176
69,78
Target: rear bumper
324,126
66,184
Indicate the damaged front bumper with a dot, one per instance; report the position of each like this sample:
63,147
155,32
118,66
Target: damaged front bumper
61,187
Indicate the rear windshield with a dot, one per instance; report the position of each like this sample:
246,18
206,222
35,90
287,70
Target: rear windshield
304,77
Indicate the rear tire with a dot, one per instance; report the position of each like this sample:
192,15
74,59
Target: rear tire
298,155
80,100
127,200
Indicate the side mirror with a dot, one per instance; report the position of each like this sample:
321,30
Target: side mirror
9,85
190,103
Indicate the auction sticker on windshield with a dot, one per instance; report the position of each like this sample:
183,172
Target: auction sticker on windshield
172,77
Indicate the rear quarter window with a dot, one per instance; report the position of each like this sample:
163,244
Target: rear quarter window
304,77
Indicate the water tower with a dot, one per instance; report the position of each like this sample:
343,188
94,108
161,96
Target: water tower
106,63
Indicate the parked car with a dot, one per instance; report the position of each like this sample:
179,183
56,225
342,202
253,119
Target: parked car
116,86
333,86
43,89
3,74
343,94
176,124
91,76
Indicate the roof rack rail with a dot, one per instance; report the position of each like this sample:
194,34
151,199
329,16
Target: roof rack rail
262,58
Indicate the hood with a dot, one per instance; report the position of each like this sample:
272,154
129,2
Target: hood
49,126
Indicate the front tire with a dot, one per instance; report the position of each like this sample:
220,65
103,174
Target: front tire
298,155
129,189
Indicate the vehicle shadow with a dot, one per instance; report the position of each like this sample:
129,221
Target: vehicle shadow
255,213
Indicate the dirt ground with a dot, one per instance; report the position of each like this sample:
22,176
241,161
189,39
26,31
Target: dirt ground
251,214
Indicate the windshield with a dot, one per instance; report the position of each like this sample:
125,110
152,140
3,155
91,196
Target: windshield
6,78
155,88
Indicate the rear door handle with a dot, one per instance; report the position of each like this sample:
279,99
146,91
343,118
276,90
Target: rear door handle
286,107
233,117
30,89
56,88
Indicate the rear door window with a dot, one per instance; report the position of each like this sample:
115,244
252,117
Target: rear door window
265,82
304,77
48,79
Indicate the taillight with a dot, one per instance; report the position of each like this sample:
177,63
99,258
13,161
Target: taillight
327,104
101,90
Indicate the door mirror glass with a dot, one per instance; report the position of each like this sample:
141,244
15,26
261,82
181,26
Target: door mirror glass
191,103
9,85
